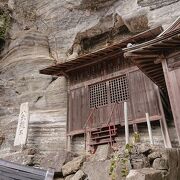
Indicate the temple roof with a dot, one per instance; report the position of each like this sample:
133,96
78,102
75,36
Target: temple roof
100,55
148,56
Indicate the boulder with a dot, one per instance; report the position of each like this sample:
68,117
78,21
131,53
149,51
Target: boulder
69,177
20,158
154,155
160,164
79,175
172,161
53,160
139,161
144,148
103,152
97,170
73,166
144,174
136,21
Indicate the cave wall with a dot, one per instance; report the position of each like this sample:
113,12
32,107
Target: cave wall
46,31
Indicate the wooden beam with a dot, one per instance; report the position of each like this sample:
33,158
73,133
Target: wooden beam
160,75
138,54
62,73
165,46
96,61
151,67
151,70
143,60
144,64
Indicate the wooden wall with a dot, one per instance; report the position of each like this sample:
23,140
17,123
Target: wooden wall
142,96
171,67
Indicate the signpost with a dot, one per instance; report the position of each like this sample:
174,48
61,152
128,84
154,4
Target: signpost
22,127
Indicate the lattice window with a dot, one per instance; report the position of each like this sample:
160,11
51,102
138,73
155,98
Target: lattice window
119,91
98,94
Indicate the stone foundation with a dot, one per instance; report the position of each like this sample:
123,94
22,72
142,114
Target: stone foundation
146,162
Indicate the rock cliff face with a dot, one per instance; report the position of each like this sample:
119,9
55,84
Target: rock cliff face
46,31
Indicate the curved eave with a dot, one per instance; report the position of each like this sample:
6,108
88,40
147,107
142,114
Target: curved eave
148,56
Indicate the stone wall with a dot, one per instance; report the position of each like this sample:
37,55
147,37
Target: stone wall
138,161
45,31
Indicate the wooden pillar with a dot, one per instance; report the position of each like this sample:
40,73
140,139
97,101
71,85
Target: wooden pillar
135,127
69,141
163,124
126,123
149,129
174,95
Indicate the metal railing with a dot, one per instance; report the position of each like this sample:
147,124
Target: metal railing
111,122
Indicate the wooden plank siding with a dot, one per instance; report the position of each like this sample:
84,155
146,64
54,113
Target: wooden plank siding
143,95
171,69
143,98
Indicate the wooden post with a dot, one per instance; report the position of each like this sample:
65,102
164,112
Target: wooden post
173,92
163,124
135,127
149,129
69,139
126,122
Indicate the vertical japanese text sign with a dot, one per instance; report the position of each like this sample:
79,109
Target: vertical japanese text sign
22,127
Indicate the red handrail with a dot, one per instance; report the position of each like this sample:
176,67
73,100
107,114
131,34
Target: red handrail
89,117
85,126
109,120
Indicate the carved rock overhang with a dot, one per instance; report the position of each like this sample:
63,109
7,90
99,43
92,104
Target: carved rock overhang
63,69
148,56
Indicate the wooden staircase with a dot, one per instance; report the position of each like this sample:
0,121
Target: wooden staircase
102,135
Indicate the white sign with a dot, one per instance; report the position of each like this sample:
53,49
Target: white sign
22,127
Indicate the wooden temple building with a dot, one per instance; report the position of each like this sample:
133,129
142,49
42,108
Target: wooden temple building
159,59
99,83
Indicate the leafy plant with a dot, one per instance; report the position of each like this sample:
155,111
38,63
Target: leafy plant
136,137
114,161
124,158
